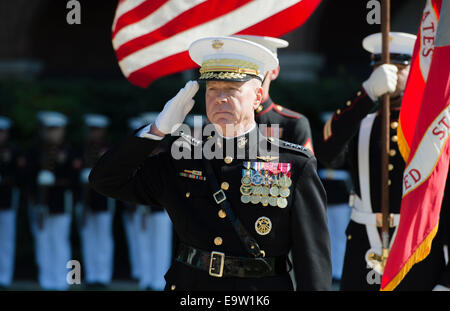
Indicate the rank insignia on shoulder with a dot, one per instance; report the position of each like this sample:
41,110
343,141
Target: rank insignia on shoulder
291,146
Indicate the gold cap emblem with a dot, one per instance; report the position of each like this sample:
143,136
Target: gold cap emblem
217,44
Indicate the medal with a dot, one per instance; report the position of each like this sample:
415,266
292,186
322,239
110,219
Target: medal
281,202
245,199
246,180
274,191
265,191
246,190
273,201
263,225
284,192
265,200
255,199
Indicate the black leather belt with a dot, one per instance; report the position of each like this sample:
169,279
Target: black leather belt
219,265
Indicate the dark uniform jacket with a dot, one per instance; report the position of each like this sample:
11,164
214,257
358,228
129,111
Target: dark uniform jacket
293,126
12,174
339,144
127,173
62,162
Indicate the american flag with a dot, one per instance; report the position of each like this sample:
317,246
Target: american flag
151,37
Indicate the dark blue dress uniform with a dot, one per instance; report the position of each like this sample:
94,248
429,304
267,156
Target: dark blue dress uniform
211,255
292,126
340,142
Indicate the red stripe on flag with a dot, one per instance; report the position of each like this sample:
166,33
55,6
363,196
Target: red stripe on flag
166,66
284,21
193,17
138,13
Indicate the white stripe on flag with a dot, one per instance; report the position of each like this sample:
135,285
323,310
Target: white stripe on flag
428,152
161,16
242,18
125,7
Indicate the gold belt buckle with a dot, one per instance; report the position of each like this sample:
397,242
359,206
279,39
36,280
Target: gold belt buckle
212,269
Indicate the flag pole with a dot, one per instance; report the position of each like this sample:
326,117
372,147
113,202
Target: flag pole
385,115
377,261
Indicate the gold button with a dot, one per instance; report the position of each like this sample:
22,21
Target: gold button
394,138
259,109
349,237
358,94
394,125
188,194
392,152
225,185
218,241
279,107
222,214
390,167
228,159
348,103
389,182
172,287
338,111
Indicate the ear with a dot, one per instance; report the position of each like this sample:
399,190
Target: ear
273,74
259,97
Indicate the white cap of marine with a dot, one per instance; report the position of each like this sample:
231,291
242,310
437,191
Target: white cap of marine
273,44
231,59
52,118
5,123
96,120
401,46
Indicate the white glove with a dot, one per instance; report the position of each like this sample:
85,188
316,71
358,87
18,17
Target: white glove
177,108
382,80
441,288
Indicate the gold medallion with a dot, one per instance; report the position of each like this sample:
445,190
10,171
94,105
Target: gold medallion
285,181
265,191
263,225
246,180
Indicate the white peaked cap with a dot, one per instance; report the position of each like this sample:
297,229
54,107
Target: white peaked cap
52,118
5,123
269,42
231,59
96,120
399,43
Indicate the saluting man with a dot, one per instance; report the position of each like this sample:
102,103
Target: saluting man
245,201
353,133
281,122
95,211
54,173
12,165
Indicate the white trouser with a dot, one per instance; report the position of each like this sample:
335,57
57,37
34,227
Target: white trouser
97,245
52,249
131,223
338,216
7,245
155,248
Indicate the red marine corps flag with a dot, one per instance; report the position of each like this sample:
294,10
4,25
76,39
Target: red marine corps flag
151,37
427,166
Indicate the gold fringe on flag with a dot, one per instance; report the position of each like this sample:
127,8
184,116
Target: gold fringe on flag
402,143
419,254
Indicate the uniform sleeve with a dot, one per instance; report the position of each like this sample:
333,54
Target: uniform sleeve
342,126
311,242
127,173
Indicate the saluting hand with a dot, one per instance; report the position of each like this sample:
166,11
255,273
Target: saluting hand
176,109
